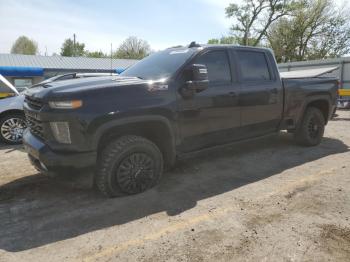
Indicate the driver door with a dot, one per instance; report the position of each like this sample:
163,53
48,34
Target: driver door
211,117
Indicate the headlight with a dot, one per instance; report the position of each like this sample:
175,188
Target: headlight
66,104
61,132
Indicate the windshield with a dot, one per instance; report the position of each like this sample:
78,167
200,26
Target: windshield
159,65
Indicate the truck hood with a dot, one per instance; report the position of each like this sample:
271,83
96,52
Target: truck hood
81,85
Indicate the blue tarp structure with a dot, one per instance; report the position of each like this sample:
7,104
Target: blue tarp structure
119,70
21,71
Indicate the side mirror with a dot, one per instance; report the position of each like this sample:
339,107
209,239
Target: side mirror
199,79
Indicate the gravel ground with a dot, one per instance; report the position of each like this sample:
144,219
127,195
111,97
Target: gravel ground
265,200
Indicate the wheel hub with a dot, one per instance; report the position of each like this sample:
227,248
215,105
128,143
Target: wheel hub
313,128
12,129
135,173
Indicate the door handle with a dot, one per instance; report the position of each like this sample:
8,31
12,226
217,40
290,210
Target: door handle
232,94
273,91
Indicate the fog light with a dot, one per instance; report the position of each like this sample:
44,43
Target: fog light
61,132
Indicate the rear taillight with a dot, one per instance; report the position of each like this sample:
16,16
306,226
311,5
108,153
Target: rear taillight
338,87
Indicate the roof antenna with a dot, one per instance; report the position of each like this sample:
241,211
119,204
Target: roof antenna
193,44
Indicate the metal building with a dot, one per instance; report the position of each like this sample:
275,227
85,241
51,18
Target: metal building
26,70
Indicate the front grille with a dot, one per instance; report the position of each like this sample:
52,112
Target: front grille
33,103
35,126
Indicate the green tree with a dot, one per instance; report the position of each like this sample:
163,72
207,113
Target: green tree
70,49
24,46
252,18
133,48
282,40
95,54
224,40
214,41
316,30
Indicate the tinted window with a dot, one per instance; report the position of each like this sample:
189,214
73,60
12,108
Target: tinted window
217,64
253,65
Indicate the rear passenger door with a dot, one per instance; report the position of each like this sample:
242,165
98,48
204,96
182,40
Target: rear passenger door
260,93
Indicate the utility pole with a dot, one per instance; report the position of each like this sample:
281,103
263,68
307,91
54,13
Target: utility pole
111,58
74,45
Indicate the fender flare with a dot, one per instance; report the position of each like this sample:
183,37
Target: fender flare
312,98
101,130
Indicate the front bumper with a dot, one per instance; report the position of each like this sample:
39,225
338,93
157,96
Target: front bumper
45,159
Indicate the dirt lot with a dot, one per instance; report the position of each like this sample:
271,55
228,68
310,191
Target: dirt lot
267,200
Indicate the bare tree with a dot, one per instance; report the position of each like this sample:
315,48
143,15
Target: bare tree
252,18
133,48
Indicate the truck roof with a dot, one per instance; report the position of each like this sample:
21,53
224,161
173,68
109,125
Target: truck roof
194,45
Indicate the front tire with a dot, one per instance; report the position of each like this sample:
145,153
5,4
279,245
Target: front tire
311,130
11,128
128,165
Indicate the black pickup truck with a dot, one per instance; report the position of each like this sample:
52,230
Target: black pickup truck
128,128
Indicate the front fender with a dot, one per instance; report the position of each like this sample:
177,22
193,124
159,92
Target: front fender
11,103
102,129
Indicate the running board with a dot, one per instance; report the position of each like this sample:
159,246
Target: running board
193,154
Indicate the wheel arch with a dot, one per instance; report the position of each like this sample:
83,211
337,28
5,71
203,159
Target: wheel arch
157,129
11,111
323,105
322,102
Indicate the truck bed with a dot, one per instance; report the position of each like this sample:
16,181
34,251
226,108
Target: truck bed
310,73
298,91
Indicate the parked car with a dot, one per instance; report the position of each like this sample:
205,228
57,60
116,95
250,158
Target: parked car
344,99
171,103
12,119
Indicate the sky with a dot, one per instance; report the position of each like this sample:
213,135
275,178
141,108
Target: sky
99,23
163,23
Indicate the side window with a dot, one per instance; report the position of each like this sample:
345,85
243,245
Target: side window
23,82
253,66
218,66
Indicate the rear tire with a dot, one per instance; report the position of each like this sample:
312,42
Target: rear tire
312,127
128,165
12,126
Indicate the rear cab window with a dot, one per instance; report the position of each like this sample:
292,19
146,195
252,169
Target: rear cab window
253,66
